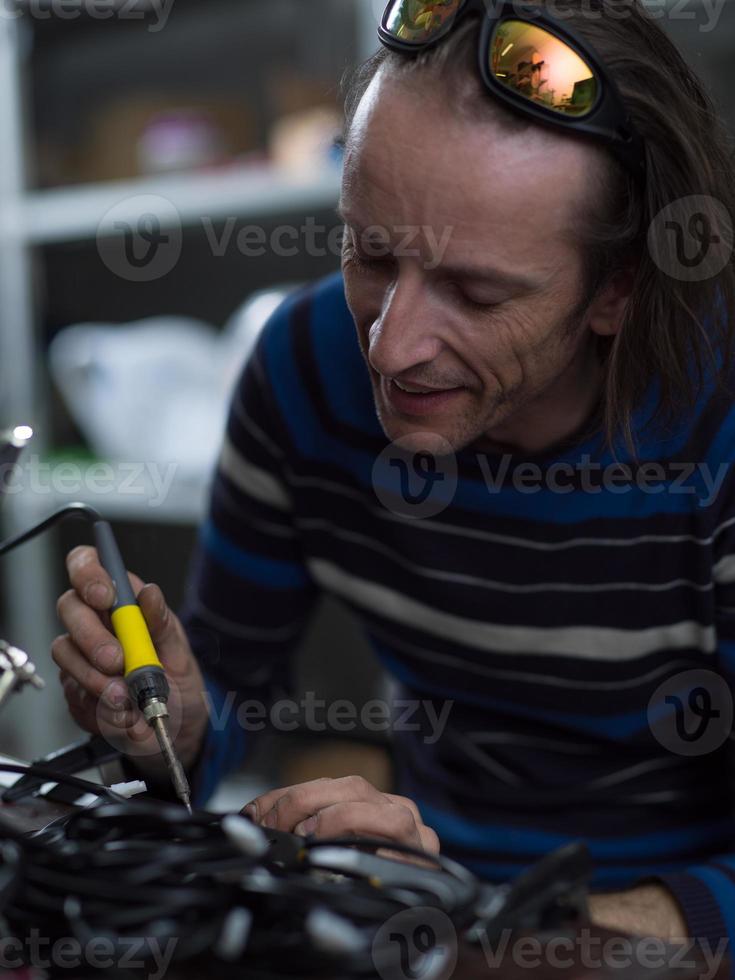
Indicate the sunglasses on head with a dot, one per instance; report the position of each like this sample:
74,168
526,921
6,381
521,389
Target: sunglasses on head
531,62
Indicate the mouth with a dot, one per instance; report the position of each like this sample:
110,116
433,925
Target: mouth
417,400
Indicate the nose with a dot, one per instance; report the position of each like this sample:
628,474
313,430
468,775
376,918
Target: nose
406,334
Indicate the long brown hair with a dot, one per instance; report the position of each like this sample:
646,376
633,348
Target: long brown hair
676,332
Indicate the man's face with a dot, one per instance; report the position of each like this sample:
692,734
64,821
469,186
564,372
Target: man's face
470,338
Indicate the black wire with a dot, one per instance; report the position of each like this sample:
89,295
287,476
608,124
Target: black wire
71,510
122,870
446,864
136,869
51,775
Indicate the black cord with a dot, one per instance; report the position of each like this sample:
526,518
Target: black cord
51,775
127,870
446,864
71,510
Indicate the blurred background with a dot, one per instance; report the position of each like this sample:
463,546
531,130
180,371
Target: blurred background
205,129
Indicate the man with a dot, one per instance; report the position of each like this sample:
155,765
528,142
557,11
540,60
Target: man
546,329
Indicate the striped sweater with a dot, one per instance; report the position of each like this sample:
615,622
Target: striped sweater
574,621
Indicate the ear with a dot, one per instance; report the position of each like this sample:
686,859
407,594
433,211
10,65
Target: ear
607,310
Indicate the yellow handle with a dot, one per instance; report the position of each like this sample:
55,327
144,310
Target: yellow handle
131,630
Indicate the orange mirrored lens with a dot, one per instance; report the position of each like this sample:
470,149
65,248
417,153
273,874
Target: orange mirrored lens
530,61
416,22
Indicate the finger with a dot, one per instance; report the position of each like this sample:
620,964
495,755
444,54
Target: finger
405,801
258,807
166,632
99,645
306,799
99,719
88,578
387,821
429,839
80,705
91,581
69,658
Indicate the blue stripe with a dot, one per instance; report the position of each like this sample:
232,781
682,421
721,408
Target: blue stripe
615,726
724,892
266,572
348,391
726,655
620,876
487,837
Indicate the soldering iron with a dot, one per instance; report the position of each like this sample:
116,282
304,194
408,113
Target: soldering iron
144,673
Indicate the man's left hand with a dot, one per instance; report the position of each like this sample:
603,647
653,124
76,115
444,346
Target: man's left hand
340,807
649,910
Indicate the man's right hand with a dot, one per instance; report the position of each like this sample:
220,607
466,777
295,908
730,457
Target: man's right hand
90,662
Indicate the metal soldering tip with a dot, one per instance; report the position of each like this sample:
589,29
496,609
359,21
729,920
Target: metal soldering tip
176,770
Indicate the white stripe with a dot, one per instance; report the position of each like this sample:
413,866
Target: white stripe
584,642
253,480
723,572
254,429
507,539
665,796
484,759
493,584
228,502
623,775
526,677
545,744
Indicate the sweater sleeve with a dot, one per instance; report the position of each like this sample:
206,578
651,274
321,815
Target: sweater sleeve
249,594
706,890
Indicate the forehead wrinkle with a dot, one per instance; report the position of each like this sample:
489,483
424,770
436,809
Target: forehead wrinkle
401,173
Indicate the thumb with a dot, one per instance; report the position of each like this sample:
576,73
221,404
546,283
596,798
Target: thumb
166,631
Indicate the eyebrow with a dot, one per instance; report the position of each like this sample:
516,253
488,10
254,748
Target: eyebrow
485,274
467,272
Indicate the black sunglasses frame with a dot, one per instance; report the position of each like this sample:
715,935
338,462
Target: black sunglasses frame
607,120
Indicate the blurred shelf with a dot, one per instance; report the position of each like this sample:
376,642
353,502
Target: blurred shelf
80,213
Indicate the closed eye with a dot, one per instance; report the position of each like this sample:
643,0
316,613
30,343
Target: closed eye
472,303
